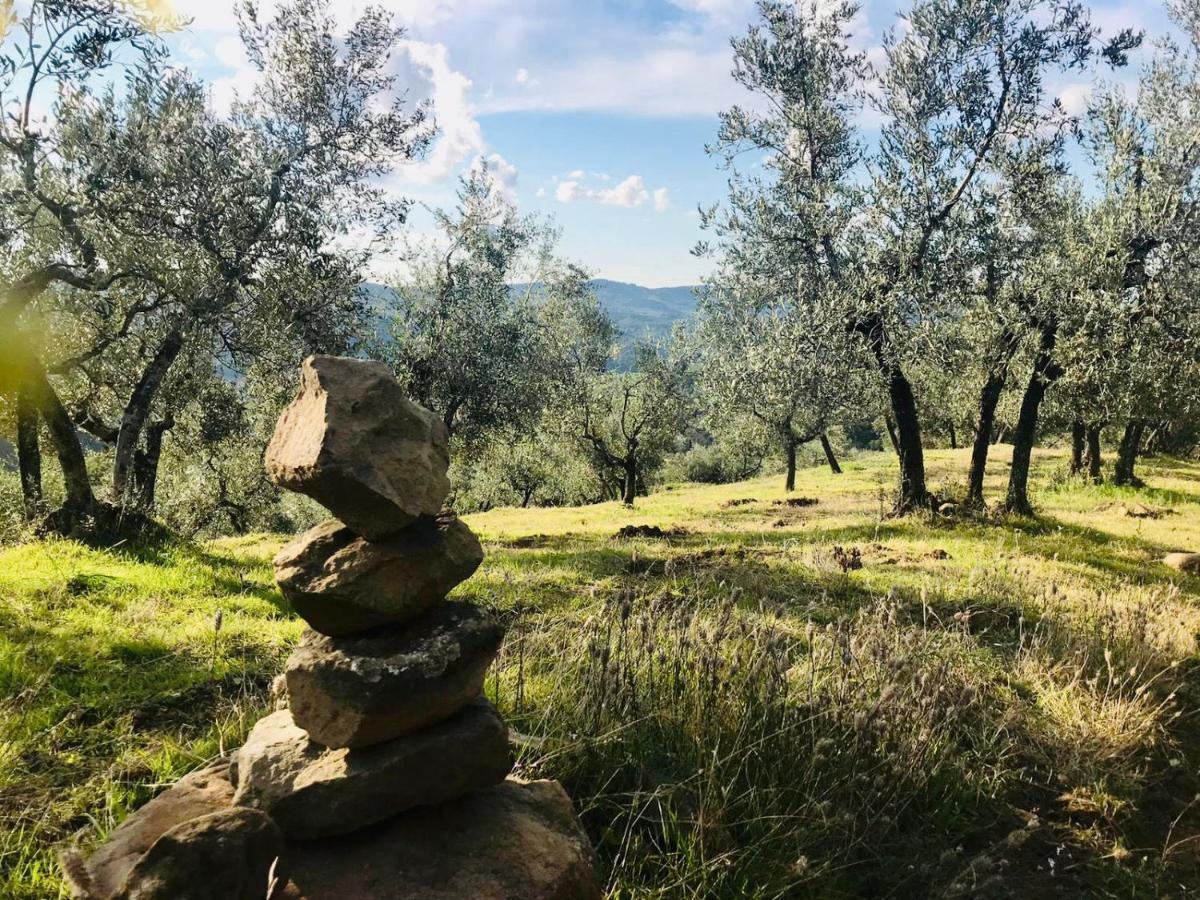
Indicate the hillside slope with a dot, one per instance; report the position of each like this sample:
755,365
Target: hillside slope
642,312
772,699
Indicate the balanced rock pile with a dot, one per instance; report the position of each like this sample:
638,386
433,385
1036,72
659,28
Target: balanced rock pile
386,774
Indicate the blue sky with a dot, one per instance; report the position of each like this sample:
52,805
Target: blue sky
595,113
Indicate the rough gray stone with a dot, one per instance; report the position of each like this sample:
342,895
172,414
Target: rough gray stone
515,841
358,691
200,793
354,443
227,855
311,791
1184,562
342,585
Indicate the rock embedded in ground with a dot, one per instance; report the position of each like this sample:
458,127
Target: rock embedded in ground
200,793
342,585
1184,562
354,443
515,841
312,791
227,855
358,691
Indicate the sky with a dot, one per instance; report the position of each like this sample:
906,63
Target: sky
594,113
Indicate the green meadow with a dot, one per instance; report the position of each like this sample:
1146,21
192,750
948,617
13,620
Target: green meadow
781,695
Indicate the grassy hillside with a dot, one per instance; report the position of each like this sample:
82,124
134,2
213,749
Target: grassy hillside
771,700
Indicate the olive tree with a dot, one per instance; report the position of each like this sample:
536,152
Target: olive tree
885,232
214,235
771,335
465,338
61,234
490,328
628,421
786,365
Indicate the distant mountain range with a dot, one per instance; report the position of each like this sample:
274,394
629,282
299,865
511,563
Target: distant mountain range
640,313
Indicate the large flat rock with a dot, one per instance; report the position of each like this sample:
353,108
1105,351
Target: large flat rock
342,584
311,791
198,794
233,854
515,841
1184,562
354,443
358,691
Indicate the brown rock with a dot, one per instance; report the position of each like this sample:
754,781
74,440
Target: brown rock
515,841
311,791
354,443
1184,562
228,855
358,691
200,793
341,584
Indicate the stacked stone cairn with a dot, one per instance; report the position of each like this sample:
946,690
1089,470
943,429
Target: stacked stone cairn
385,775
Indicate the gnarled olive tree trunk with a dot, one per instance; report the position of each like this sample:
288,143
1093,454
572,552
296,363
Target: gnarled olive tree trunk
1045,372
1078,441
133,420
80,501
145,468
903,403
989,400
29,454
829,455
1127,453
789,450
1092,457
629,488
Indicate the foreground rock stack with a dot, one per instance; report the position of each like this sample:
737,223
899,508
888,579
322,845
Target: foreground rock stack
386,773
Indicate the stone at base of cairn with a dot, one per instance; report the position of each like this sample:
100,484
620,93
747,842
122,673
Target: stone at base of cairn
516,841
202,793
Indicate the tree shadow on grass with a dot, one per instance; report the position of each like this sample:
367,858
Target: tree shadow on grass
1093,548
1169,464
1056,541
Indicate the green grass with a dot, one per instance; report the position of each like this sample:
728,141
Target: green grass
986,705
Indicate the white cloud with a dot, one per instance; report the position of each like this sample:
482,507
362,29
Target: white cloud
1075,97
721,10
192,51
207,15
630,192
230,52
460,138
568,192
671,81
522,76
218,15
541,192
